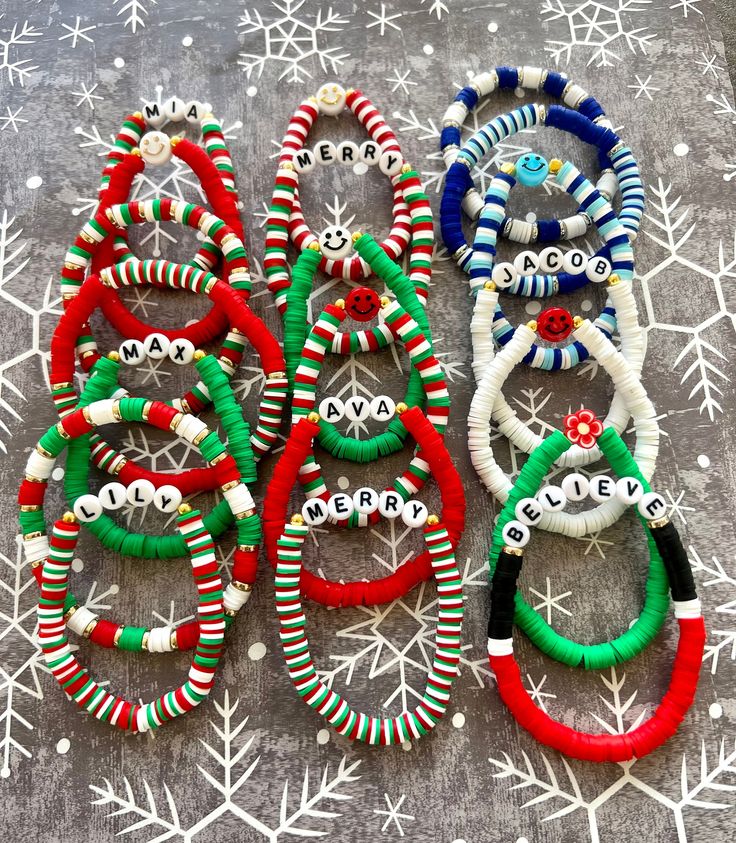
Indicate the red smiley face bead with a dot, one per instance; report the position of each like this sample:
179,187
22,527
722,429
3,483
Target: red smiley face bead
363,304
554,324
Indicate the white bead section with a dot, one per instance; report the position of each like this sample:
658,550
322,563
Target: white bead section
239,499
340,506
80,620
382,408
526,262
365,500
598,270
528,511
181,351
602,488
159,639
515,534
629,490
414,514
331,99
357,408
167,498
576,486
550,260
132,352
156,346
575,261
155,148
652,506
113,496
87,508
234,599
504,274
331,409
500,646
140,492
552,498
315,512
390,504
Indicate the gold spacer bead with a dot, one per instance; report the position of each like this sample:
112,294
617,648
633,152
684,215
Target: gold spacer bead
433,520
31,479
44,453
113,355
135,151
313,417
229,613
173,641
356,235
241,516
87,415
69,518
144,640
228,238
401,407
118,635
87,237
176,421
513,551
340,303
509,169
146,410
490,285
185,407
36,534
243,586
175,140
658,522
120,466
219,458
61,385
385,301
184,509
555,165
116,414
314,246
614,279
577,321
60,430
70,611
207,289
105,277
73,267
532,325
138,114
37,563
30,507
229,485
247,548
287,165
68,296
226,361
272,376
199,354
201,436
349,92
296,519
90,628
86,354
406,168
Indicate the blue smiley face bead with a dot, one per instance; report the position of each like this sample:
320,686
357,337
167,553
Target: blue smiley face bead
531,169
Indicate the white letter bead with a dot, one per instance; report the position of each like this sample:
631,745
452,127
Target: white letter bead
87,507
365,500
348,153
193,111
132,352
575,261
156,346
504,274
552,499
526,262
515,534
181,351
340,506
602,488
370,152
304,161
314,511
414,514
575,486
331,409
325,152
175,109
550,260
167,498
153,114
390,504
528,511
382,408
629,490
141,492
598,269
113,495
390,163
652,506
357,409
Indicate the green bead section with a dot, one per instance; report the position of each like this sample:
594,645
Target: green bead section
131,639
656,602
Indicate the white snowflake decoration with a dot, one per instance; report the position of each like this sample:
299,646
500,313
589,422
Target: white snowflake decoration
134,10
17,70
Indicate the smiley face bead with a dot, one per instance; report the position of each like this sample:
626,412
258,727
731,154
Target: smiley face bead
362,304
554,324
155,148
531,170
336,242
331,99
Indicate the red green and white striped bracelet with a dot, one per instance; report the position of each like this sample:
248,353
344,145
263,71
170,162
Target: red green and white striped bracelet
409,725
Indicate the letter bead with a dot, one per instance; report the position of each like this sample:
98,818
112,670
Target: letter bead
315,512
132,352
365,500
528,511
370,153
575,261
552,498
156,346
550,260
141,492
357,408
348,153
304,161
194,111
331,409
181,351
515,534
526,262
325,152
167,498
390,504
575,486
504,274
629,490
175,109
382,408
113,496
597,270
414,514
340,506
652,506
602,488
390,163
87,508
154,115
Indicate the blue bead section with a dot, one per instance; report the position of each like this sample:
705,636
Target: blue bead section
457,182
591,108
508,77
549,231
468,96
451,135
554,84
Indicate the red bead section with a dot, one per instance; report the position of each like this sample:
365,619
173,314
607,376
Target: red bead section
554,324
362,304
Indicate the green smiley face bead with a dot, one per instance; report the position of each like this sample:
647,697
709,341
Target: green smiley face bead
531,170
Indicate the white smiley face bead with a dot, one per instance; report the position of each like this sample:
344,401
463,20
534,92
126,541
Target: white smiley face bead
331,99
335,242
155,148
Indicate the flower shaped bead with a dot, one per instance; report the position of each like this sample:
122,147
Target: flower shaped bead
583,428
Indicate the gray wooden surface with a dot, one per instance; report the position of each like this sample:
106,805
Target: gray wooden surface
253,762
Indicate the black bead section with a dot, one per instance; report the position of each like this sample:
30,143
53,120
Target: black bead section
503,591
679,572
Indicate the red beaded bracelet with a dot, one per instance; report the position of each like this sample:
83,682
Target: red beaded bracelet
409,573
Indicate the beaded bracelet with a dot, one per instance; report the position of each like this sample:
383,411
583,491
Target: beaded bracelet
506,565
550,82
285,219
74,679
292,622
363,304
85,420
459,179
627,384
411,572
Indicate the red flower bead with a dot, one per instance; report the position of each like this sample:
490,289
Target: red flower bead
583,428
